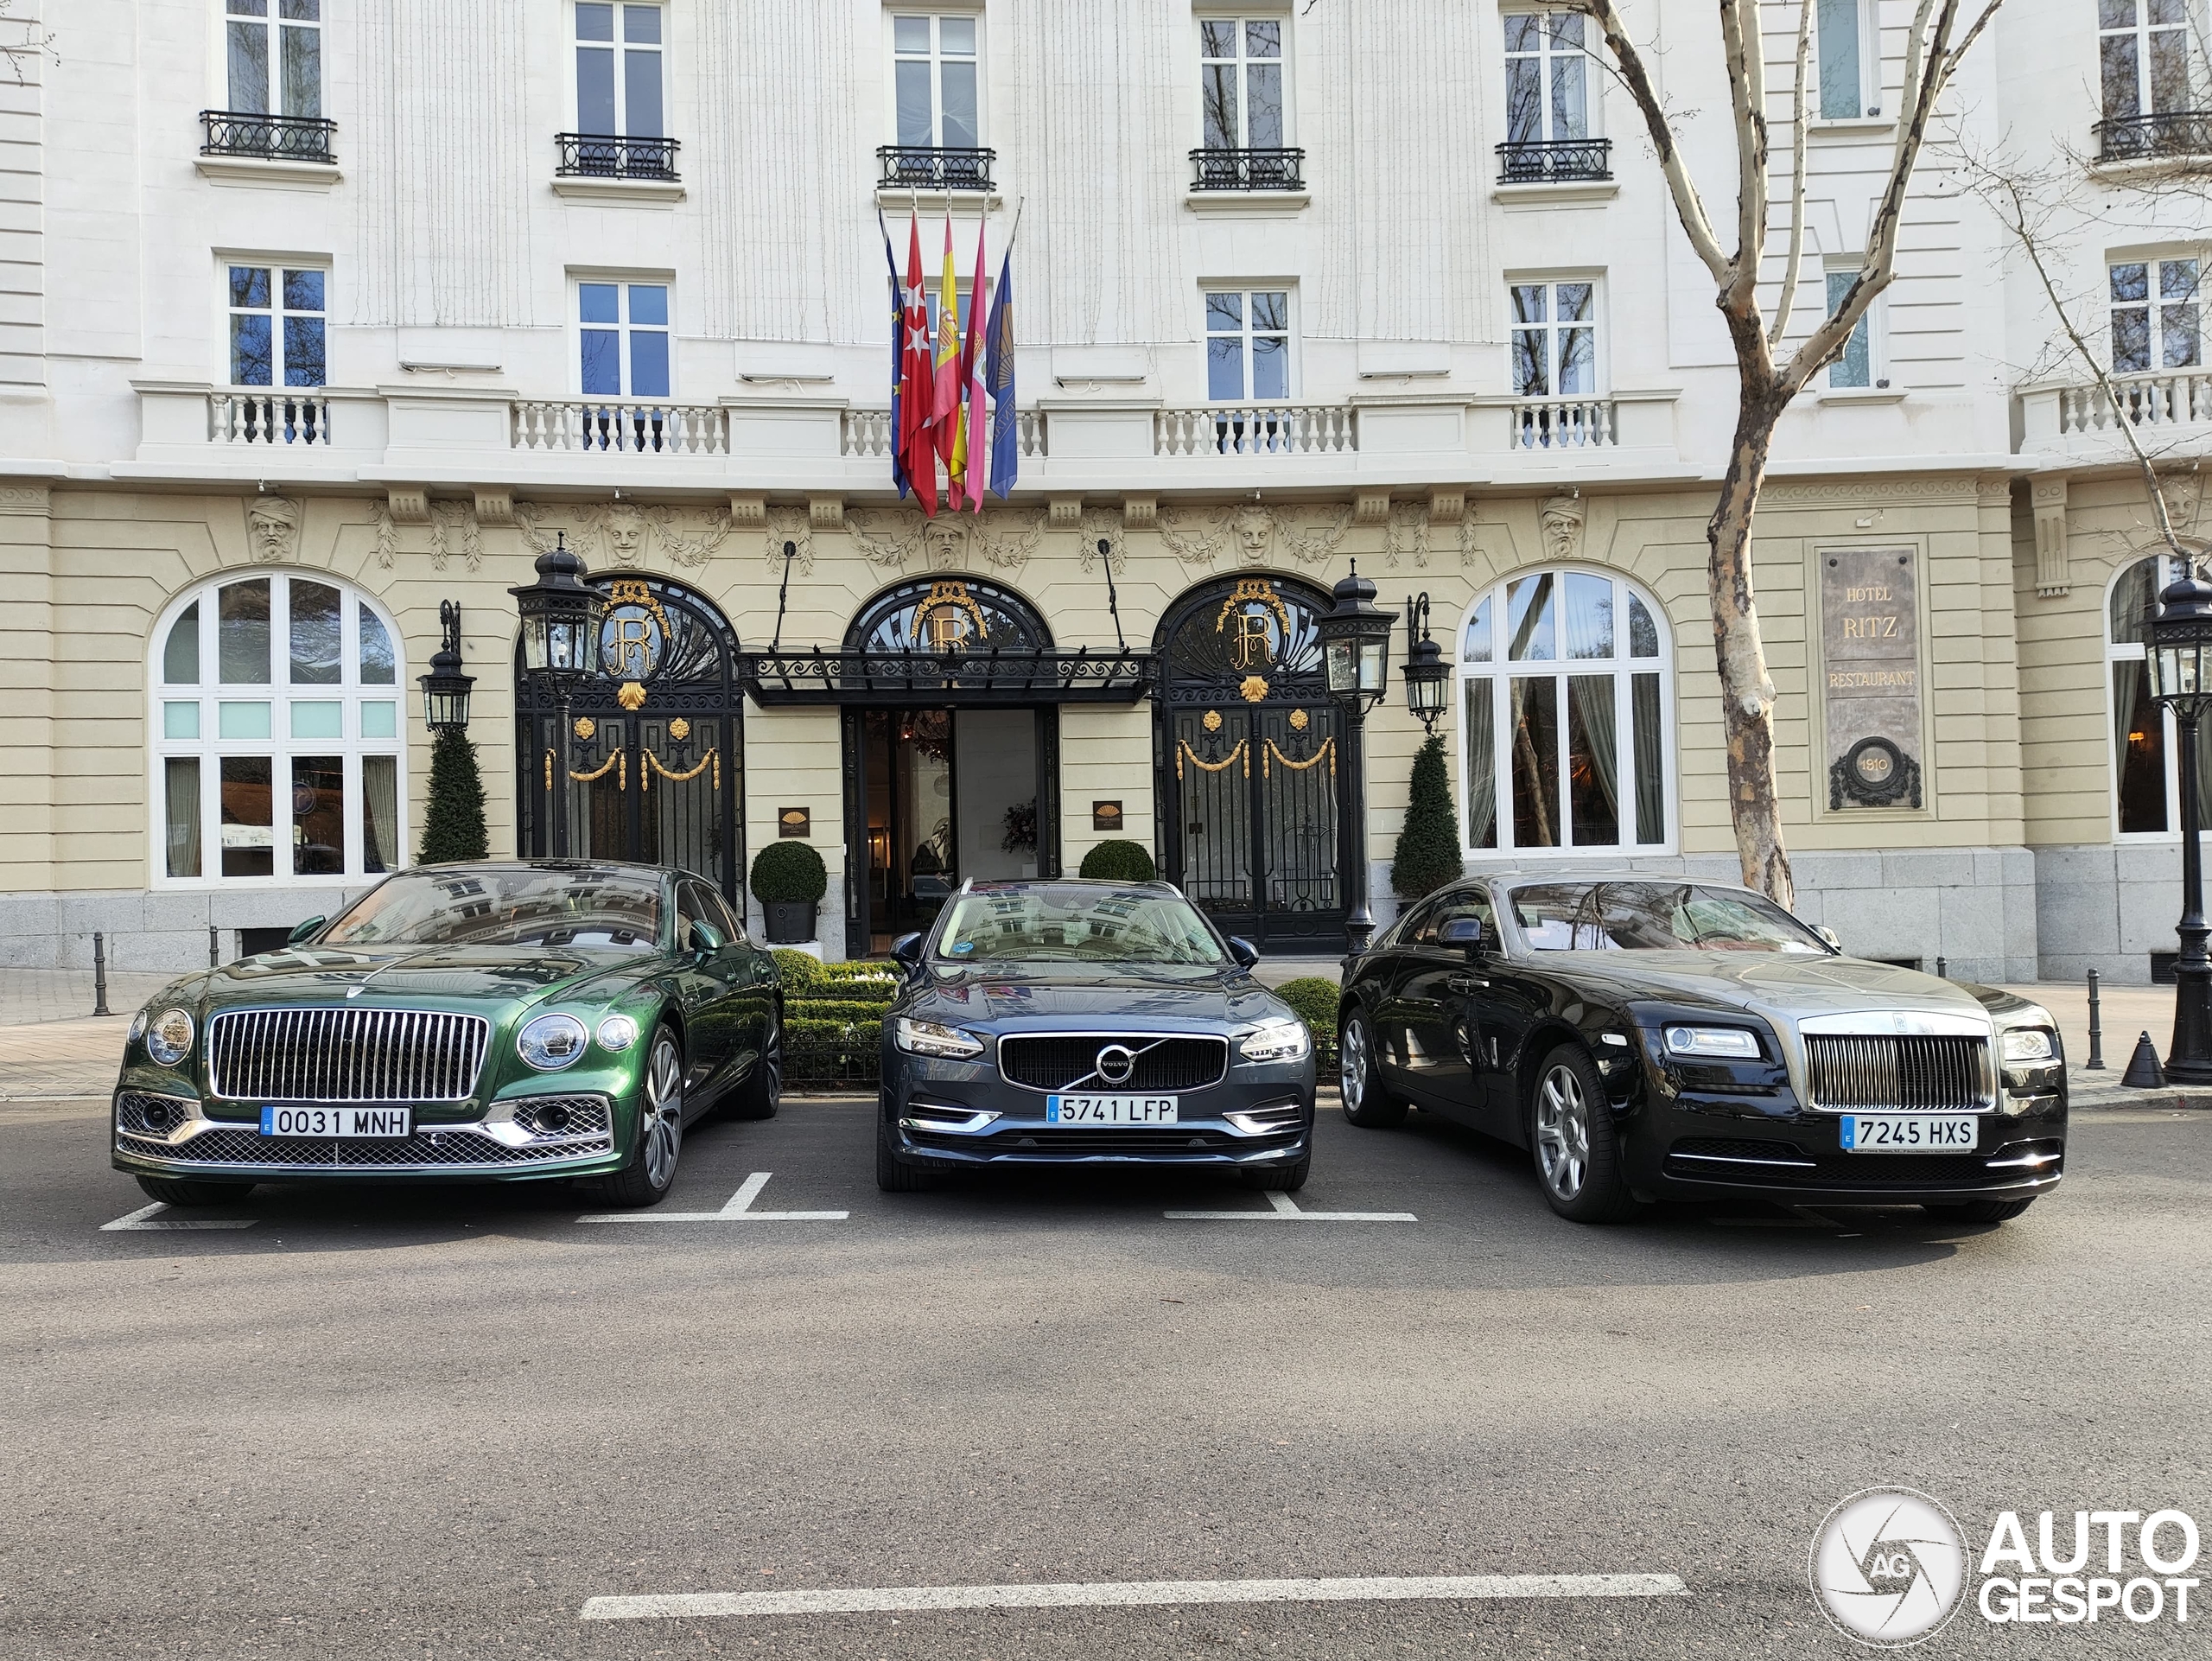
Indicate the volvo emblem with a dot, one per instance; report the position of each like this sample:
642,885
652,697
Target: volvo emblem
1115,1063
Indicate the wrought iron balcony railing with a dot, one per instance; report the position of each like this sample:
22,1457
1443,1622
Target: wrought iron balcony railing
267,137
2145,138
1556,161
1260,169
917,167
604,155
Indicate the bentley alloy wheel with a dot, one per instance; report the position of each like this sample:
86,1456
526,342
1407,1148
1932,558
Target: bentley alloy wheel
662,1129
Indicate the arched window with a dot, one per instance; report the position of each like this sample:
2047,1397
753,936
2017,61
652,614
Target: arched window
2145,768
277,753
944,614
1564,689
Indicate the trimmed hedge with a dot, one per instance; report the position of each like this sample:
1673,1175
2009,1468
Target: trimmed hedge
800,971
846,1010
788,872
1314,1002
1119,862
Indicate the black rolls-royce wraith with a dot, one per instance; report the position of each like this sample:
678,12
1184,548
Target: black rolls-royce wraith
1648,1038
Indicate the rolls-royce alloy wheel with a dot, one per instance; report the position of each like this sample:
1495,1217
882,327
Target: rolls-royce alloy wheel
1359,1076
1572,1136
651,1172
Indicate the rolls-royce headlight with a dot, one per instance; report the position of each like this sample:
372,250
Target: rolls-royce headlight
1280,1040
617,1033
168,1036
2028,1044
551,1042
1728,1043
930,1038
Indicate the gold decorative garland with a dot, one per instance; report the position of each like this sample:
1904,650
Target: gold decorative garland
1182,750
619,760
653,764
1326,753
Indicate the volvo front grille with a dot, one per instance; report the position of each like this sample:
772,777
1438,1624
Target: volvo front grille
1916,1074
346,1055
1155,1061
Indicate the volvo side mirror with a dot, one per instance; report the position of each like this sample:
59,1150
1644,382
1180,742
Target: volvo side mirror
907,950
302,932
1465,932
704,939
1244,950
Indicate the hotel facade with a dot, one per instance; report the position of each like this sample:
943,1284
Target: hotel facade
317,314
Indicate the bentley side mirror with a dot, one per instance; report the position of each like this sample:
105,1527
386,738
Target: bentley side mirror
704,939
1244,950
302,932
907,950
1465,932
1828,934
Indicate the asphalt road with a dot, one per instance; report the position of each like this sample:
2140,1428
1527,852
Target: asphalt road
434,1422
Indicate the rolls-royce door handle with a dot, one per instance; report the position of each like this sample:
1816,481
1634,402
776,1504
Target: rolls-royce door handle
1466,984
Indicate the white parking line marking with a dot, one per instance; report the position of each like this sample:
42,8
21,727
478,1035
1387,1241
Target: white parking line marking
150,1216
739,1210
1100,1594
1286,1209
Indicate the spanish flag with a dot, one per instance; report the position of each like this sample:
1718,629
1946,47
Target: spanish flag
951,431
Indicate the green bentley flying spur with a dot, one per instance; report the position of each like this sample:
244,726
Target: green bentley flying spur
501,1021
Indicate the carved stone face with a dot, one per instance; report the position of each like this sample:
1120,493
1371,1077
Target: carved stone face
945,542
1253,529
271,524
1562,523
626,534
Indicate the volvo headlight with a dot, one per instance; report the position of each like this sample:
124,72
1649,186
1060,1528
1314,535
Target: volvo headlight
617,1033
1727,1043
930,1038
1280,1040
2028,1044
551,1042
168,1037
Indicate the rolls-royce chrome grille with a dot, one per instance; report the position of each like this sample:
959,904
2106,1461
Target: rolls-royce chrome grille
346,1055
1155,1061
1911,1073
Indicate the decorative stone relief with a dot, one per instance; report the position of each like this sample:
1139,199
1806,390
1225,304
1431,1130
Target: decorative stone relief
788,525
448,517
950,541
623,534
387,534
685,548
1102,530
1561,519
2052,575
272,529
1405,534
495,507
1251,533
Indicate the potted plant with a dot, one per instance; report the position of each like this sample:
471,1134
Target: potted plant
789,881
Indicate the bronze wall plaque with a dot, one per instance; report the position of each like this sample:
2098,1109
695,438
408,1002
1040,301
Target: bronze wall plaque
1870,662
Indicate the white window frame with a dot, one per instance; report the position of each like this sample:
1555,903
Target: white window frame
622,281
277,265
1600,366
2140,32
936,59
2154,306
280,692
1240,16
219,58
1874,321
2134,652
1500,672
1594,103
1869,67
621,50
1208,334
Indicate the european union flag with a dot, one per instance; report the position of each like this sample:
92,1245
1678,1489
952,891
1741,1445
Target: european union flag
897,346
1006,447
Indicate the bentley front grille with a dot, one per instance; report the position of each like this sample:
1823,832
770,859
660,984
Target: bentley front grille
341,1055
1069,1061
1879,1072
586,1131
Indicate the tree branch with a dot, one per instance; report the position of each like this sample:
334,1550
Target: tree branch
1781,324
1745,54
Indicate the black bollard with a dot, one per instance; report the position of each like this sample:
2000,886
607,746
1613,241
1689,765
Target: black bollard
2144,1072
2097,1061
99,973
215,947
1942,969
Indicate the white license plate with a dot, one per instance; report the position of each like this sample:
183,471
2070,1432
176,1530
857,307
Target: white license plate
1110,1110
338,1123
1910,1133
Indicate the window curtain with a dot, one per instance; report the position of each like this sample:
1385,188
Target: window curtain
380,813
183,820
1650,771
1591,698
1482,767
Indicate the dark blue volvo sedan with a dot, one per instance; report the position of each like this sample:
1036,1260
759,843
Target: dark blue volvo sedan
1069,1022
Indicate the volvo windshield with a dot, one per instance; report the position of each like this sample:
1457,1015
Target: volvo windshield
1068,922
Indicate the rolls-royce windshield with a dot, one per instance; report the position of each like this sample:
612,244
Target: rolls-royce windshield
1656,917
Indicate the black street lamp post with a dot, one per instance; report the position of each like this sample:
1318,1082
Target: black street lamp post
1426,676
1356,657
445,689
2181,672
560,615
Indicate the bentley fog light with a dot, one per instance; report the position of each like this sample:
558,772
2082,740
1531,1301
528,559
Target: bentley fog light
169,1039
2028,1044
617,1033
929,1038
551,1042
1275,1040
1732,1043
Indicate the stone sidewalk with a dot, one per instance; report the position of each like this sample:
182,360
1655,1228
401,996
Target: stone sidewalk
33,996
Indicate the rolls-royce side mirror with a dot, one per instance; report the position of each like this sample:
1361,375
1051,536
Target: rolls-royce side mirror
302,932
1244,950
704,939
1465,932
1828,934
907,950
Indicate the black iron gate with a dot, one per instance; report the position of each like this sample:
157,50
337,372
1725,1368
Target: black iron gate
653,759
1250,762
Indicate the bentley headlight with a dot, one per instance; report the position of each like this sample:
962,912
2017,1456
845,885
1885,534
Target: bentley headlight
1284,1039
138,1026
168,1036
930,1038
617,1033
1727,1043
551,1042
2028,1044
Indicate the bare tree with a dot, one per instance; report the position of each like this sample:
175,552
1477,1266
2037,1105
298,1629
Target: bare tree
1766,381
19,55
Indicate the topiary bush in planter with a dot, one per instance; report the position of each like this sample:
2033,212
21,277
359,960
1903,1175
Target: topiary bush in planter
1428,846
453,827
1314,1002
789,879
1119,862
